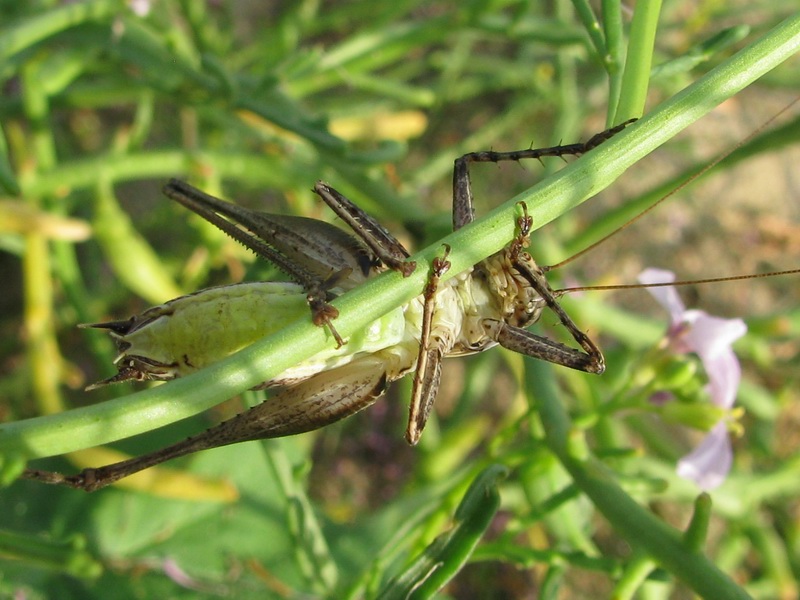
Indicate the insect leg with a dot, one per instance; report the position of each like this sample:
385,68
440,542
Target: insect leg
523,341
429,360
463,210
311,404
380,241
241,224
315,254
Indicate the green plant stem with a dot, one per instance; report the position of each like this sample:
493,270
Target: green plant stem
33,30
67,555
143,411
590,23
638,525
633,577
311,548
614,59
638,61
43,353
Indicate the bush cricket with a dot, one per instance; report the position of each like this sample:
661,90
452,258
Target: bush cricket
489,305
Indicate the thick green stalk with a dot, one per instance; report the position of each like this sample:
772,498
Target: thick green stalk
81,428
638,61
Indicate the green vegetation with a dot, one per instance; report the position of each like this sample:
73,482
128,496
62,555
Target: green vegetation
530,481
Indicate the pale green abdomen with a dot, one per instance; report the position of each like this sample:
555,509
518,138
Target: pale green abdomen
194,331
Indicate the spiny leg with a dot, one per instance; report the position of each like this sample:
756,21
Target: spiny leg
590,360
239,225
524,342
314,403
463,210
385,246
429,359
314,254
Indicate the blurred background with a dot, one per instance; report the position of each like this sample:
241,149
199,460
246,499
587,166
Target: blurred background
254,101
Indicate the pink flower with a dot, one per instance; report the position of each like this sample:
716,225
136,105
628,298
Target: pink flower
141,8
711,339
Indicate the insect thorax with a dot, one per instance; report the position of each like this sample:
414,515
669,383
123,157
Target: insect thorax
517,302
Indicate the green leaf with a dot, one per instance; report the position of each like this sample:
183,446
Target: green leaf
447,554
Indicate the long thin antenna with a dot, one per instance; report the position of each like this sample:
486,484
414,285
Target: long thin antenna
629,286
700,173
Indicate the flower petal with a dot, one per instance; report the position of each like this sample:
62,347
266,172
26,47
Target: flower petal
711,335
709,463
711,338
666,296
141,8
724,375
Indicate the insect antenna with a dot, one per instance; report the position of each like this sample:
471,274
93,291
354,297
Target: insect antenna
631,286
705,169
